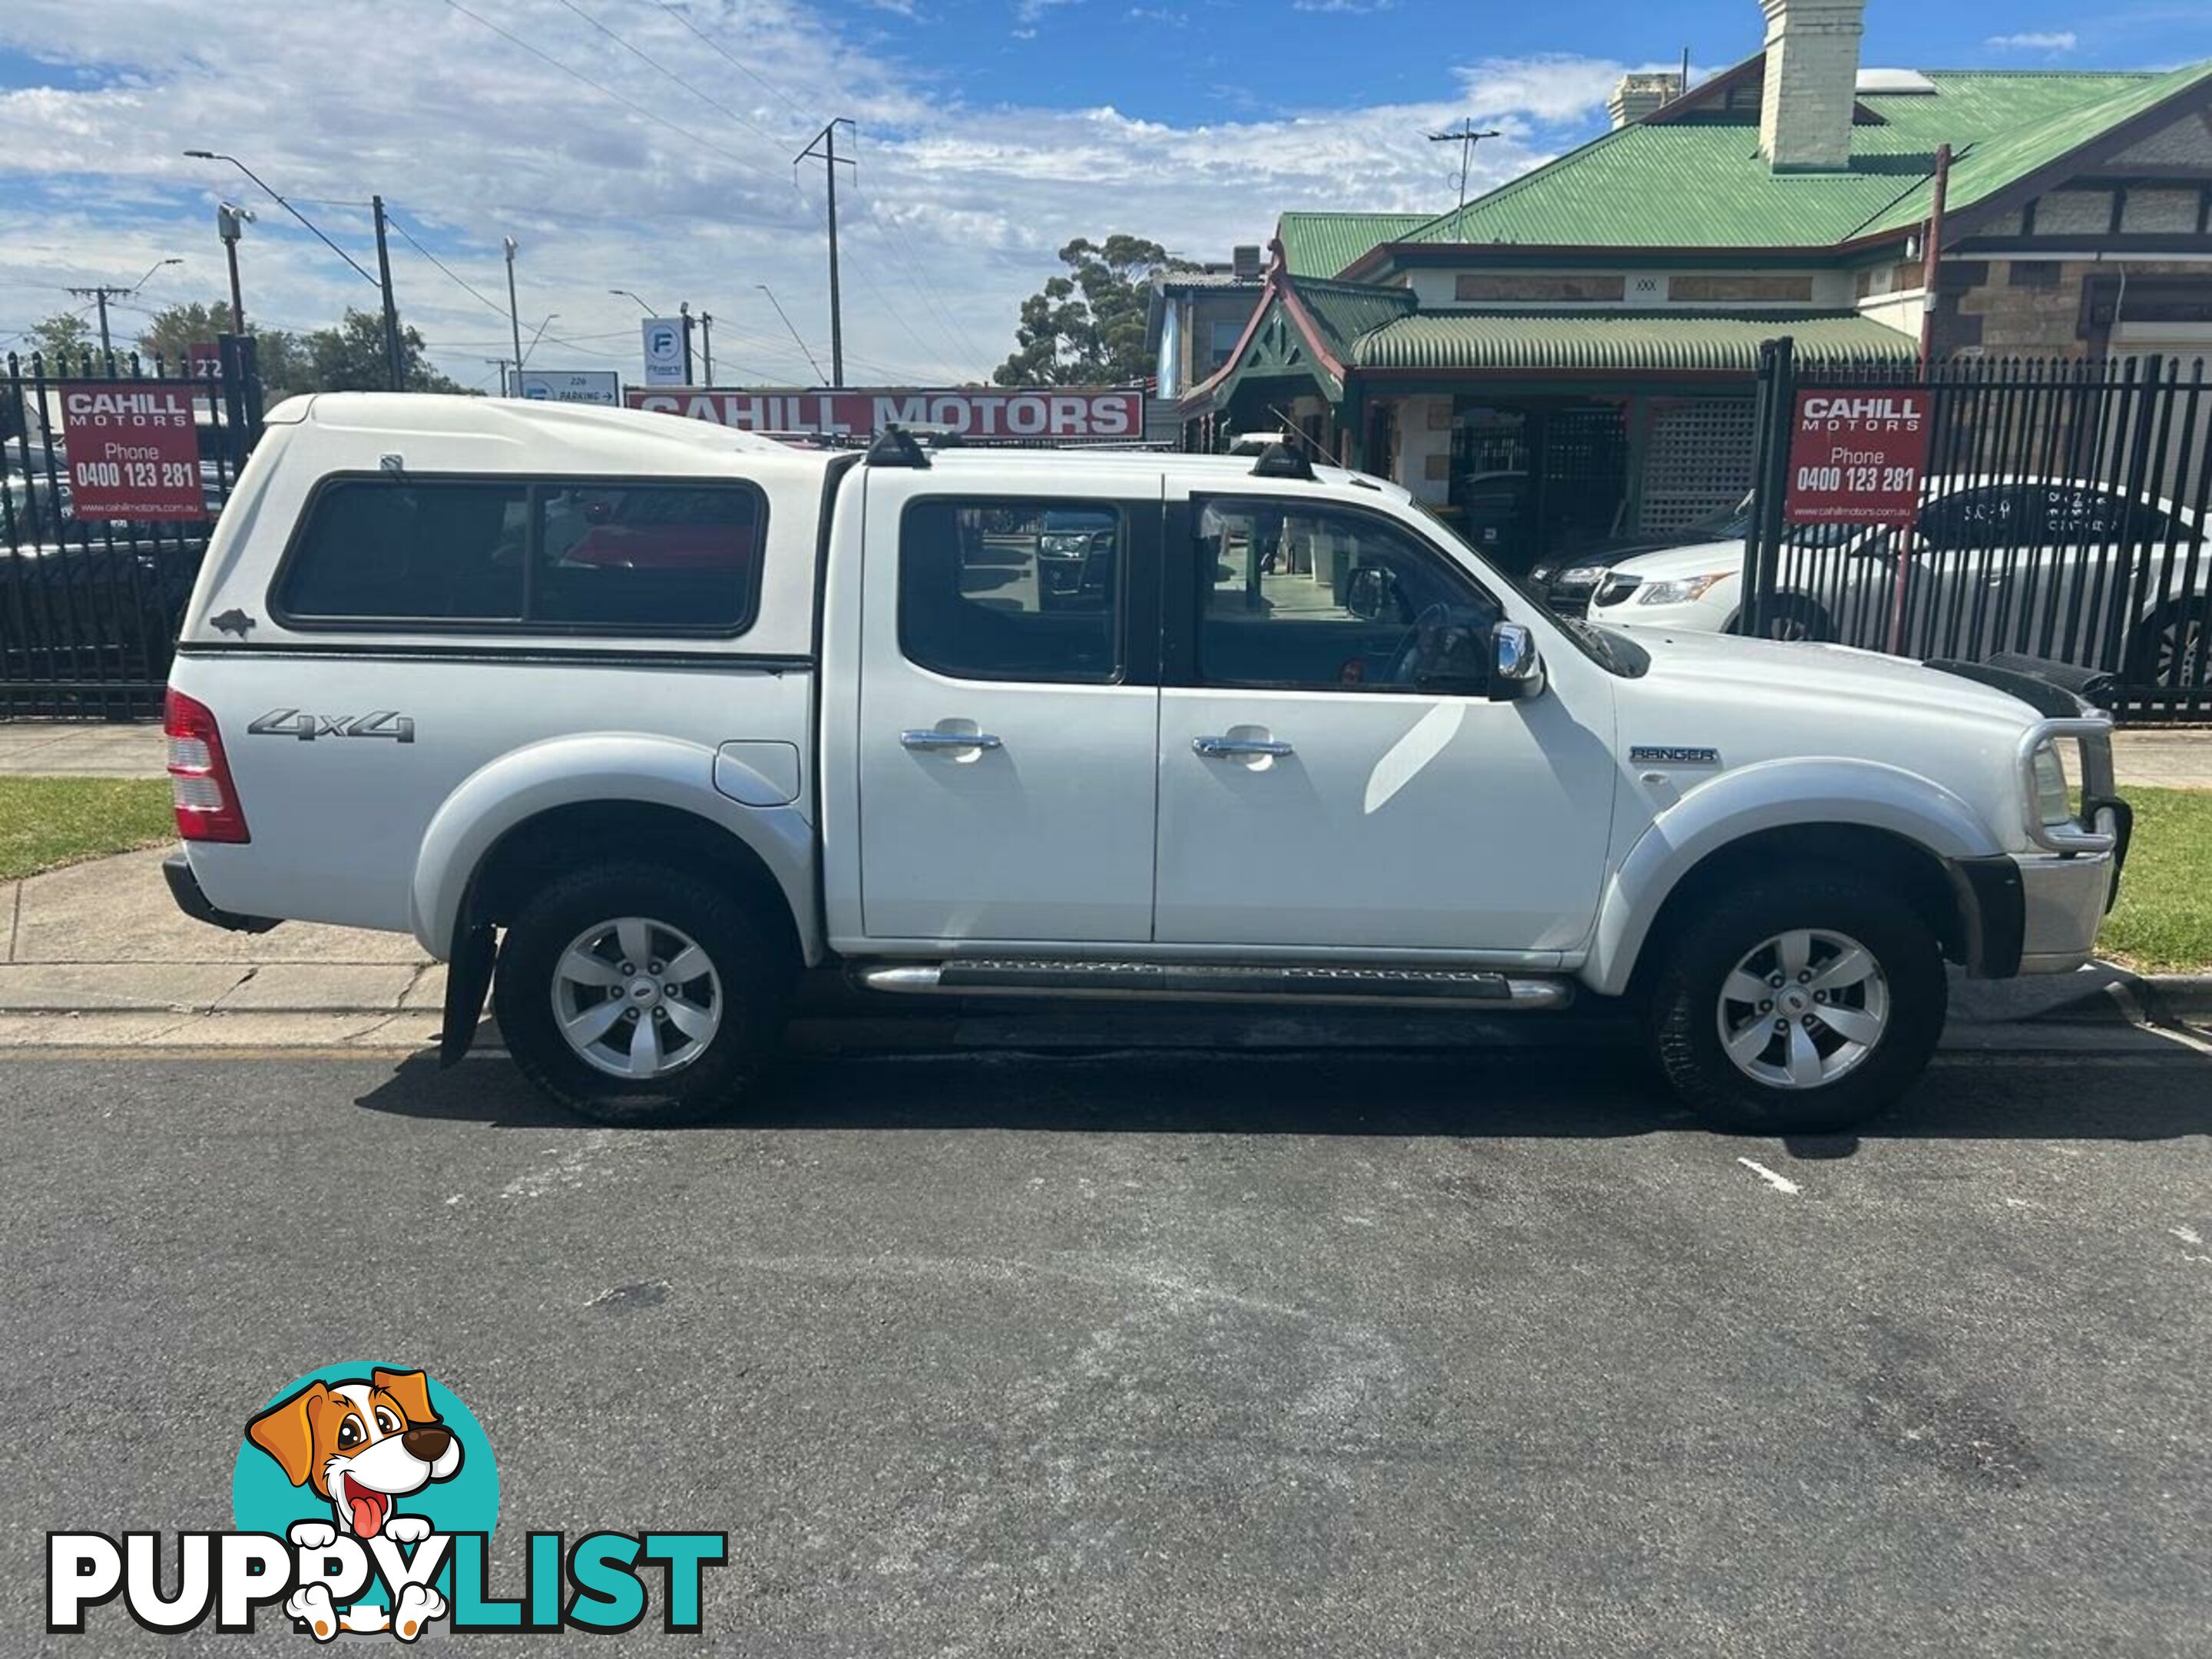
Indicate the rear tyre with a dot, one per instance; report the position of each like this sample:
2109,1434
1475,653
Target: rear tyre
1804,1000
2164,646
637,995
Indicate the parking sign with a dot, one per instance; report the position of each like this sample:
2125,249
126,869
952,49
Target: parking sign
664,350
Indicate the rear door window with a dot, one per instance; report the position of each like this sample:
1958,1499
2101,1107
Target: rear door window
559,555
1012,590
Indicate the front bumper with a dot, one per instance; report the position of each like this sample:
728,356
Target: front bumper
2036,913
2063,900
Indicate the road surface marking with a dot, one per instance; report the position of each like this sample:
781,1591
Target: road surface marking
1780,1183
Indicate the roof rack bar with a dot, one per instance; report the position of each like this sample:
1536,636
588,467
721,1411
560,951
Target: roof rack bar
1281,461
897,446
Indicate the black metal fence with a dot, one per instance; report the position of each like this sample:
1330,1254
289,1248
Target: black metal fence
2063,515
89,604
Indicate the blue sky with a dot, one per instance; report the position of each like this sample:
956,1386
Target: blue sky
647,143
1173,60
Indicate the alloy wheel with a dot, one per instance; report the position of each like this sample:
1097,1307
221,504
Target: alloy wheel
636,998
1802,1009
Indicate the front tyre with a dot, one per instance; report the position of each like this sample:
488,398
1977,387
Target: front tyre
637,995
1804,1000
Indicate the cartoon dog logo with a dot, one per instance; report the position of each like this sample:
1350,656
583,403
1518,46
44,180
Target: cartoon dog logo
363,1445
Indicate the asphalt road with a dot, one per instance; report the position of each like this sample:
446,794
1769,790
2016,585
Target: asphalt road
1164,1353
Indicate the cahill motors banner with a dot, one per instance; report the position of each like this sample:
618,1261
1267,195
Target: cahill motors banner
982,414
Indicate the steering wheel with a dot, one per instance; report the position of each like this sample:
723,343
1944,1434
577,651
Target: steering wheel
1431,617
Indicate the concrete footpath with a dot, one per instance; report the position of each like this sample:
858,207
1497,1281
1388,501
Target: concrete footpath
99,953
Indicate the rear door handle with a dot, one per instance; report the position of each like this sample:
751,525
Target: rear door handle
931,739
1229,748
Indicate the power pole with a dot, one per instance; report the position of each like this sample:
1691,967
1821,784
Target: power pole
707,342
101,293
1467,138
513,317
684,310
393,361
827,138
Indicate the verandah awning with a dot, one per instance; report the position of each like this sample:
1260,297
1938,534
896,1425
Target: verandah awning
1629,341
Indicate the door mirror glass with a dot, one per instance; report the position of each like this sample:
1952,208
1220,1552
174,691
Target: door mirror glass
1516,668
1372,594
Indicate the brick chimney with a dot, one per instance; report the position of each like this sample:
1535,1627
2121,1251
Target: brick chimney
1812,76
1638,95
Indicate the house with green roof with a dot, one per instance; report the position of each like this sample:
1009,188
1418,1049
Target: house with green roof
1573,353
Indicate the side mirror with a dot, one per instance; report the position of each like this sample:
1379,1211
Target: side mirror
1516,668
1370,593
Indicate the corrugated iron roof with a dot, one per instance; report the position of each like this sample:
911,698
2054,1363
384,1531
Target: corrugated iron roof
1342,312
1322,243
1701,182
1640,341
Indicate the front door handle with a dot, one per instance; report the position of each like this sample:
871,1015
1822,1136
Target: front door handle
1231,748
931,740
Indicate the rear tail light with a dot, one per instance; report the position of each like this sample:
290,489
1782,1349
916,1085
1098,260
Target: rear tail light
199,774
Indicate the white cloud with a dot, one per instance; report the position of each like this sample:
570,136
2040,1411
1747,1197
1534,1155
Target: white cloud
953,214
2054,41
1348,8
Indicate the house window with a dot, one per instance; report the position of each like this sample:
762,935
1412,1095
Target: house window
1221,343
1538,288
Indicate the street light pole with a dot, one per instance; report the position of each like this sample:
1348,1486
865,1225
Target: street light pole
383,255
514,319
804,350
230,222
684,310
707,341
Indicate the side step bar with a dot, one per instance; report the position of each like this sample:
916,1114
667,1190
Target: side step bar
1473,988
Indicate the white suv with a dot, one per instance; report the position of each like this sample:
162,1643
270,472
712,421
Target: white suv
654,716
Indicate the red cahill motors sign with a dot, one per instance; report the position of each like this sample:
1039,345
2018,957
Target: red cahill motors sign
134,449
1857,456
984,415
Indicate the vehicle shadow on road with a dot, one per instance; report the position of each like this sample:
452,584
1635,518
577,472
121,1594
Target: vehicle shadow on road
1593,1091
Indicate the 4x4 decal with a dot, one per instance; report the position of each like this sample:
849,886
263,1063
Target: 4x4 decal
293,723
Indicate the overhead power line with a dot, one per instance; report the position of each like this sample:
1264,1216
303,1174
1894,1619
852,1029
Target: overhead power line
675,127
735,61
408,237
655,63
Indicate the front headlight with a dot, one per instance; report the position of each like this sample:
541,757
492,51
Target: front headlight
1682,591
2054,798
1583,576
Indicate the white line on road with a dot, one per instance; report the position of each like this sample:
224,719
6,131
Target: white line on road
1780,1183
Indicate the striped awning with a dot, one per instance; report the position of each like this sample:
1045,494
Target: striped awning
1641,342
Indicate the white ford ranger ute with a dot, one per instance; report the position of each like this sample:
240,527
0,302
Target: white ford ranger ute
654,716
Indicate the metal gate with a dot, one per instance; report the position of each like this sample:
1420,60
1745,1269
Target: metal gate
2063,515
89,606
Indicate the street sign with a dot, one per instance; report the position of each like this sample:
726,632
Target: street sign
664,350
1044,415
134,449
572,386
1857,456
